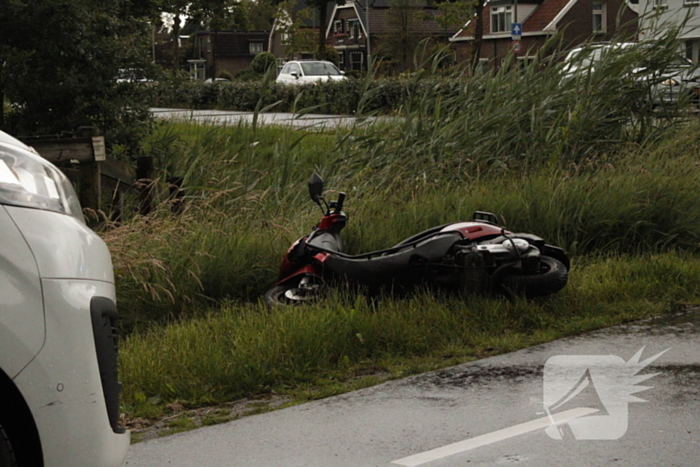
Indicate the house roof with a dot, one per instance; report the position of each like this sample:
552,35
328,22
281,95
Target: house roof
544,15
540,21
379,14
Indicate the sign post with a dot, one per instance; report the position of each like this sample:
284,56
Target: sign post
516,32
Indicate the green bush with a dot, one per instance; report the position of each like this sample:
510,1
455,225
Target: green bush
224,74
263,62
247,74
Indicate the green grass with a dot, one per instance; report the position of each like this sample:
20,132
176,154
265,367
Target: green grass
348,342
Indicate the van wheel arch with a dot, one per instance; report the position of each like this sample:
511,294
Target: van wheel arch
17,422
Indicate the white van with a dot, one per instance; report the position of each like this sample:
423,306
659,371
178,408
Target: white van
679,79
58,340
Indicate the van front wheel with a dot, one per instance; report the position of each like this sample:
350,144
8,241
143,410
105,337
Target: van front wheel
7,455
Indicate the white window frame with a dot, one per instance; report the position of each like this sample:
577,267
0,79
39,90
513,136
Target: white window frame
341,60
599,10
502,16
357,53
338,26
690,3
351,26
255,48
660,4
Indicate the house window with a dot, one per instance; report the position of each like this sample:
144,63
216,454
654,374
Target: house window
201,48
690,2
255,47
356,60
341,60
501,18
482,67
354,29
692,50
338,26
524,62
599,18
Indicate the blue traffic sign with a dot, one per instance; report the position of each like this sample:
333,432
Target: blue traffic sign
516,29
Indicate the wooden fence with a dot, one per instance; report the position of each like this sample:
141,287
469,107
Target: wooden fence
83,158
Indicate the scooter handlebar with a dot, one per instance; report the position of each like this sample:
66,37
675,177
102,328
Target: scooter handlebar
339,204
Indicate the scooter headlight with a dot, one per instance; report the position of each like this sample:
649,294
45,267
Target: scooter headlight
29,181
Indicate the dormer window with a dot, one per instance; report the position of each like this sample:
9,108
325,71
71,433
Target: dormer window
501,18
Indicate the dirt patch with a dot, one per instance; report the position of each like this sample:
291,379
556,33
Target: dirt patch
178,418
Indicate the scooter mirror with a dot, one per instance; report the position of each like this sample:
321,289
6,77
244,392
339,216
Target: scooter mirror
315,188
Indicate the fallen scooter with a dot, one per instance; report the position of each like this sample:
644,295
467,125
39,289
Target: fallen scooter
475,256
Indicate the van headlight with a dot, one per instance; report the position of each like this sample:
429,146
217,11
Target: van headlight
670,82
29,181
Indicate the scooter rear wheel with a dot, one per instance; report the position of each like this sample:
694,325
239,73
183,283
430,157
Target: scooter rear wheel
306,290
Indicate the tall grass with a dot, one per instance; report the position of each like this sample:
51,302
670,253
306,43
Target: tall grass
248,202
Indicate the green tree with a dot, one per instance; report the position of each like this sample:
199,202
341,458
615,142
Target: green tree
263,62
61,59
297,36
400,42
178,10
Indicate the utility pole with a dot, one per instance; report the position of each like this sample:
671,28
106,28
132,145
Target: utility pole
369,49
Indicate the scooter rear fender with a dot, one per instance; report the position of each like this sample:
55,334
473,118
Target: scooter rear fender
474,230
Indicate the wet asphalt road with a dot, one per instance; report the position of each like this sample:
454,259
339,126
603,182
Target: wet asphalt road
226,117
488,402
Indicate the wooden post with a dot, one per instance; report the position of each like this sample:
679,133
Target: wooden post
90,185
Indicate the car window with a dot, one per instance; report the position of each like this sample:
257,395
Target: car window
286,68
294,67
319,69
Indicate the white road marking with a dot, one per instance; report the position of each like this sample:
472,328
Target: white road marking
495,436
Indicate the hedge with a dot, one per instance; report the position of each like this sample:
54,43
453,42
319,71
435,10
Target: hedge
331,97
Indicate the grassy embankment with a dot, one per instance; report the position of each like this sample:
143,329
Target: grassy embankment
618,188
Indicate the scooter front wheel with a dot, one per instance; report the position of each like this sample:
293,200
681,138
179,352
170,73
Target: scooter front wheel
307,290
551,278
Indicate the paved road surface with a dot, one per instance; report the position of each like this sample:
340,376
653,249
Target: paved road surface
275,118
488,412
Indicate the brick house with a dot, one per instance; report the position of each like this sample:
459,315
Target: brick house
231,51
577,21
351,24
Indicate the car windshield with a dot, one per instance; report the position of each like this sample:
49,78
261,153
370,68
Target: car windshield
319,69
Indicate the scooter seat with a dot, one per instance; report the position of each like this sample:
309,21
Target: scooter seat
387,267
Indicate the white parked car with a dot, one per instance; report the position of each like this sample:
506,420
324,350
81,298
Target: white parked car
309,71
58,340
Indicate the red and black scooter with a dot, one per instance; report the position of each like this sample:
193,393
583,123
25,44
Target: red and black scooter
475,256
